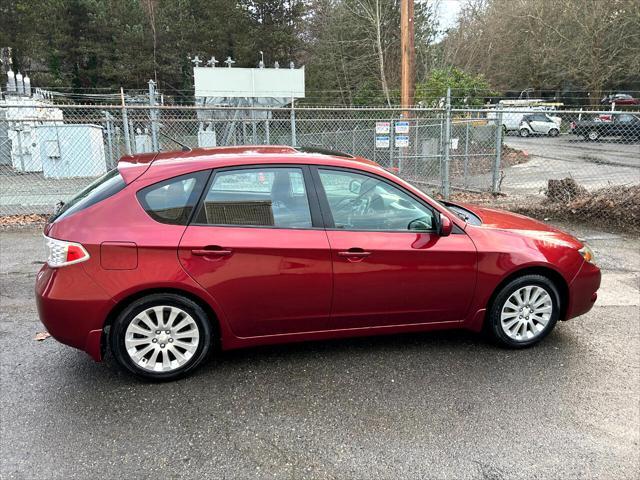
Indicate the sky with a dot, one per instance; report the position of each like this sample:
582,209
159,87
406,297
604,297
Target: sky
448,12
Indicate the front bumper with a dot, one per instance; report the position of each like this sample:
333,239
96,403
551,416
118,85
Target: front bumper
72,307
583,290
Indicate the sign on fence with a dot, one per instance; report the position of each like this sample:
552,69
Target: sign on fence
383,128
382,141
402,141
402,127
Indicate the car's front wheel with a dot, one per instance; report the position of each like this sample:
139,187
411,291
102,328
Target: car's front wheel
554,132
524,311
593,135
524,132
161,336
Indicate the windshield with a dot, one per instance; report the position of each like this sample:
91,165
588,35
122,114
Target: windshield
104,187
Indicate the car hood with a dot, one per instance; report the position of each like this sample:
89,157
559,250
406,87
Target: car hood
507,221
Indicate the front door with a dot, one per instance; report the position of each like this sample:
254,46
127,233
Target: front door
390,267
258,247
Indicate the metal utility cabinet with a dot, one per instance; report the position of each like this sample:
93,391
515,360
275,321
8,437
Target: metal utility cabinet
70,150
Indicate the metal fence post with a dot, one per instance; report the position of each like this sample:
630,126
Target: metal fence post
125,124
293,124
267,133
495,188
466,152
109,127
446,187
153,114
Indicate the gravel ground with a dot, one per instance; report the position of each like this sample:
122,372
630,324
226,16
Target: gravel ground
437,405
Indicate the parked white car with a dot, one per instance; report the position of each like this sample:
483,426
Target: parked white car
540,124
512,115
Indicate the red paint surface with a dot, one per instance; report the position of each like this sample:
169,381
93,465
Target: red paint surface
278,285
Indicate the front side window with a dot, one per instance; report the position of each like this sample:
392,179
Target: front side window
173,200
268,197
361,202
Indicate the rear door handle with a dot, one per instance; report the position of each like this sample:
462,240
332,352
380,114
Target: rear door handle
212,251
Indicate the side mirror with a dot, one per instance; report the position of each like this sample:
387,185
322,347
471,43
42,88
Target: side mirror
354,187
445,226
418,225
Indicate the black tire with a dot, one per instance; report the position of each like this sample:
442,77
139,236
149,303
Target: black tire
592,135
121,323
554,132
524,133
493,324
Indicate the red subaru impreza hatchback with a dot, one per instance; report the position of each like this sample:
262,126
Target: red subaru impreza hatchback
172,254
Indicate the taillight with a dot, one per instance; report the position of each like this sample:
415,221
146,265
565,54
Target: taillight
573,125
61,253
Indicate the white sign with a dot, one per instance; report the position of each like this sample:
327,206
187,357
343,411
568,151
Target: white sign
382,141
249,82
402,127
383,127
402,141
454,143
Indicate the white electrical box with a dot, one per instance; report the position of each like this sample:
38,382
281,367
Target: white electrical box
70,150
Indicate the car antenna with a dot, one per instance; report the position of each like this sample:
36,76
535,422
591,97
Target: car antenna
185,148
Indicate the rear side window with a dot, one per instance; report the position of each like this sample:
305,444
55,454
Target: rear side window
104,187
268,197
173,200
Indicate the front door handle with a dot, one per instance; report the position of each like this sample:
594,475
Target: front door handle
354,254
211,251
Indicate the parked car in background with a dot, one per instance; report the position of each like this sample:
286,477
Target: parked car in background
512,117
174,253
539,124
620,99
625,126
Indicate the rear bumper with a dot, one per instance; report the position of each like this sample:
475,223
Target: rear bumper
72,307
583,290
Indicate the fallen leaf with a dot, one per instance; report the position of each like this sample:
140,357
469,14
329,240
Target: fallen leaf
40,336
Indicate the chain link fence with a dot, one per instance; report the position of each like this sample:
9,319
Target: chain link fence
525,159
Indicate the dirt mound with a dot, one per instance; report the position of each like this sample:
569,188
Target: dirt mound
617,206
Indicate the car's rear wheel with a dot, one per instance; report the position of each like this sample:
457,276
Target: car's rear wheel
524,132
593,135
554,132
161,336
524,311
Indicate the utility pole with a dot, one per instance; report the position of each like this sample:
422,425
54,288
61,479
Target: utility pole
406,71
408,53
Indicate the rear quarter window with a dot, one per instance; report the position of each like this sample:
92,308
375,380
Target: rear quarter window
102,188
172,201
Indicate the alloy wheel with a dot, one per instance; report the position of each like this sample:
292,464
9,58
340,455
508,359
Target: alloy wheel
162,338
526,313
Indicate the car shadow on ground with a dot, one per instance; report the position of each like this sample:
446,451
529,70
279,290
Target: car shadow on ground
439,350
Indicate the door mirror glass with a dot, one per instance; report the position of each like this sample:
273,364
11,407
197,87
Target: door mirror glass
445,226
354,186
419,225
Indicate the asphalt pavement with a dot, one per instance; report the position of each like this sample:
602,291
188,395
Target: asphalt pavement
435,405
592,164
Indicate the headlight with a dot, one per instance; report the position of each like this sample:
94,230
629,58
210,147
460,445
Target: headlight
587,254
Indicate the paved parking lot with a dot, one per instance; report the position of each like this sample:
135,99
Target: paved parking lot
592,164
438,405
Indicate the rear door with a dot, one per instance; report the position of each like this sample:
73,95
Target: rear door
390,266
258,246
